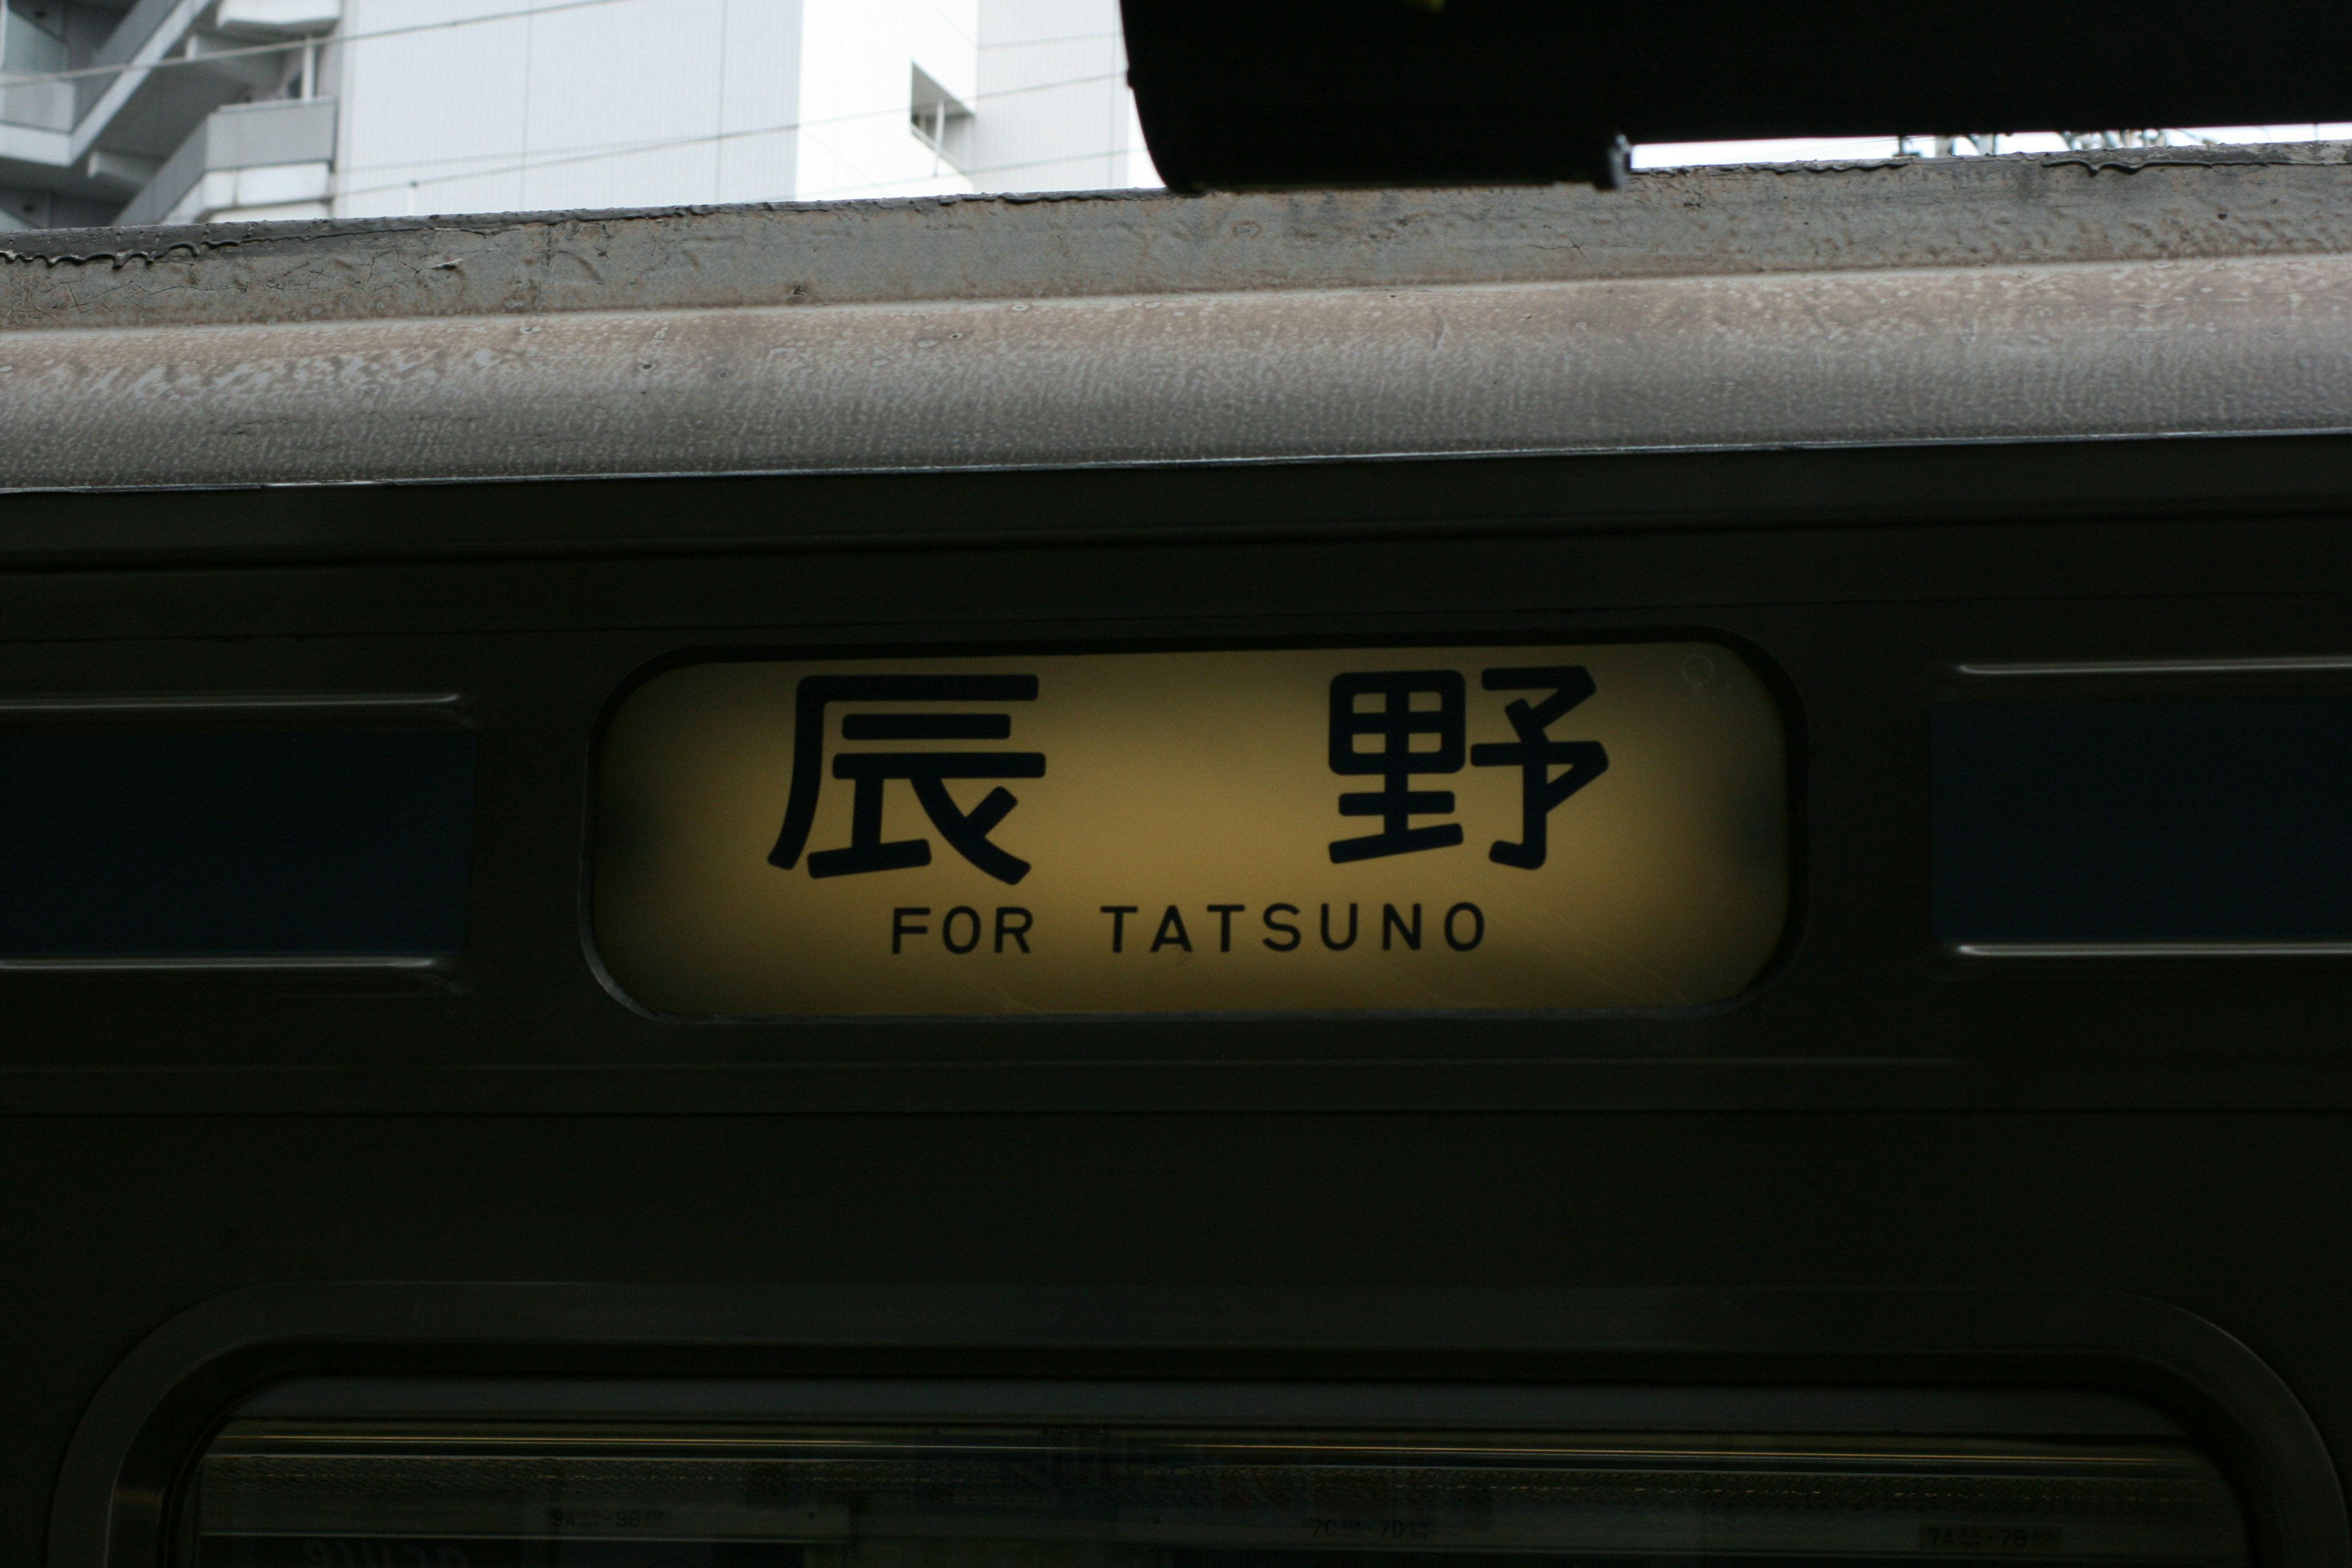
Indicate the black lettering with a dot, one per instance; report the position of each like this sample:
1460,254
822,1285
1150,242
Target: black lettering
1007,925
946,928
1478,930
1119,914
1285,926
1171,922
966,832
1339,946
1226,913
1534,753
1393,723
901,929
1393,924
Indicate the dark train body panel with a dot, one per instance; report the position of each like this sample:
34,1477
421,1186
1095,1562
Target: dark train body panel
2094,1160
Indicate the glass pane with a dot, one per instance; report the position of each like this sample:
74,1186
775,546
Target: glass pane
2213,819
131,844
1589,825
475,1495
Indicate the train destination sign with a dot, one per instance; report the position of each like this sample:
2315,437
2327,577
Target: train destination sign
1497,827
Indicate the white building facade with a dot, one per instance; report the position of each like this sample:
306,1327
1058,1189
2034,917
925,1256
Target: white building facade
192,110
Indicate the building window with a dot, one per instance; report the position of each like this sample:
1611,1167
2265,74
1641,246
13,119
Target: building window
941,121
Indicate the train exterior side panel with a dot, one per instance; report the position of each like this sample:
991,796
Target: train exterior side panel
1967,1026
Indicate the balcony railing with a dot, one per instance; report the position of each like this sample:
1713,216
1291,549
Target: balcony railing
43,105
152,28
242,136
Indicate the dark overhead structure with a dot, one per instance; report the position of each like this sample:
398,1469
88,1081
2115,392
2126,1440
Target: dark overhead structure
1239,94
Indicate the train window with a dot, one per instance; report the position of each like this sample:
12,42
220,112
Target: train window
124,847
1509,826
680,1492
2133,821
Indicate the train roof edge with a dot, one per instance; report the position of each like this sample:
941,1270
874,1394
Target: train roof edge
2202,291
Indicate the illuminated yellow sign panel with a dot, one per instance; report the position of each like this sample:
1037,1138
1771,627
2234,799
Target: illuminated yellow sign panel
1299,828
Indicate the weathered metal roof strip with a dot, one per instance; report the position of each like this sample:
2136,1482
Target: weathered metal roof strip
1979,301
